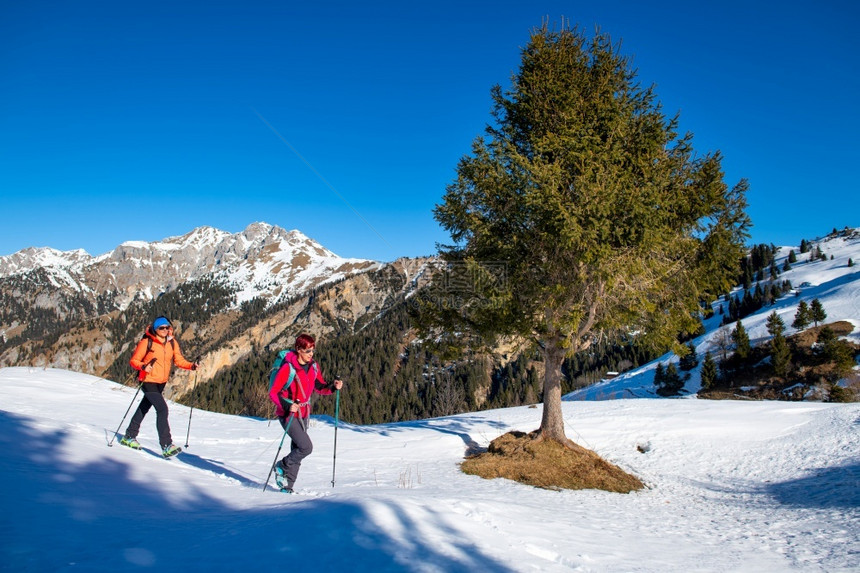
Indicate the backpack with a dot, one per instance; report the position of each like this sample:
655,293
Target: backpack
280,358
172,342
276,367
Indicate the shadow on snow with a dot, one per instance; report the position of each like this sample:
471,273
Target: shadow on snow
97,517
826,488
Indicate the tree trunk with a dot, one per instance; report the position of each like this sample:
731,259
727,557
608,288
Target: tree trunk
552,423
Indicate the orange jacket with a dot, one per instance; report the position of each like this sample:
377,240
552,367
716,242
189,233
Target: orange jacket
166,354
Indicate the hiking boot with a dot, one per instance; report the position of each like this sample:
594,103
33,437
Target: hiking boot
281,476
130,442
170,450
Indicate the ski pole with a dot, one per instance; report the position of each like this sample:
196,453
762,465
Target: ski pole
334,454
193,401
139,386
272,468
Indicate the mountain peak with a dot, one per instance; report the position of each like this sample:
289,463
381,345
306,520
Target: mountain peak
261,260
35,257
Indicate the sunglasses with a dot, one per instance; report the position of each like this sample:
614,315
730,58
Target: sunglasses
307,351
163,328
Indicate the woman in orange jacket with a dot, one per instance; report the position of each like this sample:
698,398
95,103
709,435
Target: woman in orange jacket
154,356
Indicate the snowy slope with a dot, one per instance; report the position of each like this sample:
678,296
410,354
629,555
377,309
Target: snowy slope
833,282
733,486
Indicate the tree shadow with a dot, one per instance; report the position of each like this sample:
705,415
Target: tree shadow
827,488
97,516
455,426
216,467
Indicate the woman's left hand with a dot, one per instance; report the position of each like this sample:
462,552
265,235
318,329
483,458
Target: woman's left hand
338,384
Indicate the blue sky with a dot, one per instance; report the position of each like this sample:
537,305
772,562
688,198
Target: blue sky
138,121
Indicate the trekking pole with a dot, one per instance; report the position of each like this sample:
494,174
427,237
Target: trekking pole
139,386
193,401
334,454
272,468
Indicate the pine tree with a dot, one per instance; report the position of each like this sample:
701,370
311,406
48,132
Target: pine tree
836,351
775,324
583,213
689,360
671,382
659,375
816,312
792,257
780,355
742,341
709,372
802,317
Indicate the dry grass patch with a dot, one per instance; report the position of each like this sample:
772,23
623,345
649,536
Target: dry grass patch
548,464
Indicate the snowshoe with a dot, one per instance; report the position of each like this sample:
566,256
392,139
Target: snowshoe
170,450
281,477
130,442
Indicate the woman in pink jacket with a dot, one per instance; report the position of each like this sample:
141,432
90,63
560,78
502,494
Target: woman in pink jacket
298,378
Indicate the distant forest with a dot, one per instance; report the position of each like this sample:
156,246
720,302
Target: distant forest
390,377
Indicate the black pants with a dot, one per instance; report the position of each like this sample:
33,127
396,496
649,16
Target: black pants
152,397
300,446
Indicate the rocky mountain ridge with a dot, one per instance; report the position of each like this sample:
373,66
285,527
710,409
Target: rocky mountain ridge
262,261
228,294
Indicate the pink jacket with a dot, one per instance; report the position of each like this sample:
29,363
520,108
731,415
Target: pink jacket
302,386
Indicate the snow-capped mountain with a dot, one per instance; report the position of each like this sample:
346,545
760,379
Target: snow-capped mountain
73,310
262,260
34,257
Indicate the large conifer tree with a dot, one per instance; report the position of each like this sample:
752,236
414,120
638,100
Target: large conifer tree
583,214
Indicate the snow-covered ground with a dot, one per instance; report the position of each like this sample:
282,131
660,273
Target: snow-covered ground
733,486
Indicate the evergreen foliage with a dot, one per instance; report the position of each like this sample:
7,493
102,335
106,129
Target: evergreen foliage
803,316
754,300
386,379
690,360
742,341
780,355
709,372
816,311
42,325
590,366
670,382
775,325
659,374
760,257
582,214
837,351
